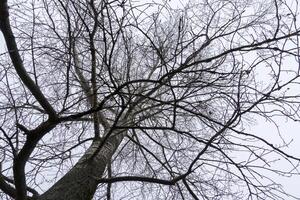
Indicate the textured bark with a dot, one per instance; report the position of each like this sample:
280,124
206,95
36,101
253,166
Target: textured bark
80,183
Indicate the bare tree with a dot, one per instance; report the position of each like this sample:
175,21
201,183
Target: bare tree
127,99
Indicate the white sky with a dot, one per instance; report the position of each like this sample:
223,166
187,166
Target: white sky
2,45
290,131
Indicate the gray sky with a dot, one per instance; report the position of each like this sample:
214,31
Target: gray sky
289,130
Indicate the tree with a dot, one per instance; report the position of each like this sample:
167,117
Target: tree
124,99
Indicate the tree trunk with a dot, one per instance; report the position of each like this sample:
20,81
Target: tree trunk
80,183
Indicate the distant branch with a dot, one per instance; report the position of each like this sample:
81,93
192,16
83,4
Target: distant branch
142,179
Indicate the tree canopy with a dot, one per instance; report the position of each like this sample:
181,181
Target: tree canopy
124,99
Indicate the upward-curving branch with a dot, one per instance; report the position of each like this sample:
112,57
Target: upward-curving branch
147,99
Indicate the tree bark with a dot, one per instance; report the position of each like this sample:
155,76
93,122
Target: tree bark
80,183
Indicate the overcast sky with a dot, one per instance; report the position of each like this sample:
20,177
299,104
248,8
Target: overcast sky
290,131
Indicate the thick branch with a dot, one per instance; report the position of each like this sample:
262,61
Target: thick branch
29,189
7,188
87,90
17,61
20,160
142,179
